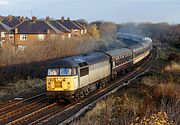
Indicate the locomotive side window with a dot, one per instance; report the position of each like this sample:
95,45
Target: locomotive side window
53,72
84,71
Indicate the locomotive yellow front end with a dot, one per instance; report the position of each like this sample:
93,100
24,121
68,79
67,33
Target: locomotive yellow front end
61,83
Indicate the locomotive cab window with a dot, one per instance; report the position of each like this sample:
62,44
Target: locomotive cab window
68,71
65,71
53,72
62,72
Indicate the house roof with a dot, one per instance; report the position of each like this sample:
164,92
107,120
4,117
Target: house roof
1,17
37,27
14,21
3,27
59,26
78,24
68,24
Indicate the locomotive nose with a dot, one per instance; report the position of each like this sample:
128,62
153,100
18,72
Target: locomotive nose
60,83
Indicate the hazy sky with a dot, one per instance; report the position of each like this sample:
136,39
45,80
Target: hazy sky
108,10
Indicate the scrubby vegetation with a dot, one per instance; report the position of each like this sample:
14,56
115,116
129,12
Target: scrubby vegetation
32,62
147,101
151,99
21,88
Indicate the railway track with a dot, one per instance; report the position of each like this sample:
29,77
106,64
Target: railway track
68,113
12,110
38,110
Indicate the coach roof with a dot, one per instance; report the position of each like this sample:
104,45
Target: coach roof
119,52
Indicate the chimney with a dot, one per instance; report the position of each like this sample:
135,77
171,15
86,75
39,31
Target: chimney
68,18
62,19
34,19
1,18
48,31
47,18
10,17
22,18
16,30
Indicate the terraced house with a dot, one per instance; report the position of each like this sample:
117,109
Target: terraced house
32,31
54,23
3,31
20,31
74,28
9,23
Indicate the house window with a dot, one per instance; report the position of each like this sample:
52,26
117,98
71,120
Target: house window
23,37
85,31
11,37
21,47
82,32
53,36
63,37
1,44
69,35
75,31
2,34
40,37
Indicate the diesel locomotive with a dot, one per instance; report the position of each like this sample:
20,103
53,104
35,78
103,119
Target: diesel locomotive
74,77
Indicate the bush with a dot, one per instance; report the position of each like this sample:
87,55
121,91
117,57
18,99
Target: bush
38,55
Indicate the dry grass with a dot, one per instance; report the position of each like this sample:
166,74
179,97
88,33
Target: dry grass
20,87
143,103
167,90
173,67
159,118
45,50
38,55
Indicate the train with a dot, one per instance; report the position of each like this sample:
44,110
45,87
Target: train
75,77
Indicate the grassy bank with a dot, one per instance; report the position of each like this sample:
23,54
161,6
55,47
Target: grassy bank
152,98
21,88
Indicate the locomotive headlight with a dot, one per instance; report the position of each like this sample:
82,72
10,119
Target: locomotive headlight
49,84
69,85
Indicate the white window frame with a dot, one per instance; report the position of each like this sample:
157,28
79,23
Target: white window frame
11,35
69,35
75,31
53,36
3,34
85,31
21,47
82,32
23,37
63,37
1,43
40,37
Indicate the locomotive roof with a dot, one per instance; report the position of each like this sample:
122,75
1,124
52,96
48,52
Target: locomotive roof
119,52
136,47
80,60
